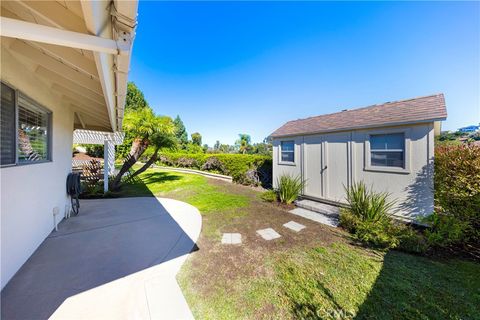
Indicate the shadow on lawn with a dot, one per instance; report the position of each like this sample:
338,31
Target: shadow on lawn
139,186
412,287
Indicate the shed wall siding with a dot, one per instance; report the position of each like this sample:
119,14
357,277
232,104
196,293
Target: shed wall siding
30,192
413,189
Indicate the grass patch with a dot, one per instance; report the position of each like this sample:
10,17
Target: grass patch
343,282
191,188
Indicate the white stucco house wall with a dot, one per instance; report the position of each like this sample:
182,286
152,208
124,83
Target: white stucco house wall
388,146
64,65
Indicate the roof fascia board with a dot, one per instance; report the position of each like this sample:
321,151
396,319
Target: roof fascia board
358,128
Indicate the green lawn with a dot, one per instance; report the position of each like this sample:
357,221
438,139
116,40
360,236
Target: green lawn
319,273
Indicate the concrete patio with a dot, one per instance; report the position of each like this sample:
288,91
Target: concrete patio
116,260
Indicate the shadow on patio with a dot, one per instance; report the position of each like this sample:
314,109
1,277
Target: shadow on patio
109,240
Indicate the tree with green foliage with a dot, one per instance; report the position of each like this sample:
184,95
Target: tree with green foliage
243,144
194,148
216,146
143,125
197,138
225,148
135,99
181,132
163,138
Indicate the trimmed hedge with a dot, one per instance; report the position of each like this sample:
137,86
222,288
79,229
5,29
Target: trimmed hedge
245,169
457,196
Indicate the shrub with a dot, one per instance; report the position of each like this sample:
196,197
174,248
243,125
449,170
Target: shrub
369,216
243,168
348,220
164,160
411,240
94,150
269,196
368,205
187,163
369,220
214,164
378,233
446,230
457,196
289,188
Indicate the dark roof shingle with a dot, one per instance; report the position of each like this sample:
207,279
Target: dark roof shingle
399,112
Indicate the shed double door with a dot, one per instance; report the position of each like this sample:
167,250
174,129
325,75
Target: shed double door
326,166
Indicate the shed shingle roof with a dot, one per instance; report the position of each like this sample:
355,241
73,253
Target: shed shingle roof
422,109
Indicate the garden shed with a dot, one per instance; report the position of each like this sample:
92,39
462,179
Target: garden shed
389,146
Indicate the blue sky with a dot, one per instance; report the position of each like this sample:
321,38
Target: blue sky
248,67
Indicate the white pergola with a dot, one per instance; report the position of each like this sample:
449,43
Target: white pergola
109,141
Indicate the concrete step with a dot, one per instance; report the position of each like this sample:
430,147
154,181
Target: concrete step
328,219
319,207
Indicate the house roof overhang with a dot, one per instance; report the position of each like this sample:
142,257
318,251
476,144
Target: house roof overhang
80,49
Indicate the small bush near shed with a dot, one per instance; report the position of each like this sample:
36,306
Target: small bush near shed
369,219
289,188
269,196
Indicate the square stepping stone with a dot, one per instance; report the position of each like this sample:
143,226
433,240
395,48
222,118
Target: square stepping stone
232,238
292,225
268,234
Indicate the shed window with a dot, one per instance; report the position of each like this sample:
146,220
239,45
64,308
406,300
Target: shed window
25,129
388,150
287,151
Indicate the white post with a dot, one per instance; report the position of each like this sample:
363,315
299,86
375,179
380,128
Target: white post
106,164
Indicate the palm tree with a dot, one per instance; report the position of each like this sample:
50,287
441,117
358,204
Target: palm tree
143,125
243,144
164,138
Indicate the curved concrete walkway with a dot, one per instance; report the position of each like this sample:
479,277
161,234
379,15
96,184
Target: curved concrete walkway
117,260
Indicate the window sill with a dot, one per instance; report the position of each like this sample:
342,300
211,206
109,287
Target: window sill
387,169
283,163
24,164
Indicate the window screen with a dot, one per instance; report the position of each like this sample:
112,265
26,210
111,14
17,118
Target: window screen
33,131
287,151
7,126
387,150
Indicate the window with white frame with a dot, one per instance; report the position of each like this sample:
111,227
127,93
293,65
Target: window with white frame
387,150
25,129
287,151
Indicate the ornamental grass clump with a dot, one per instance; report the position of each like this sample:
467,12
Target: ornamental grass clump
368,205
369,216
289,188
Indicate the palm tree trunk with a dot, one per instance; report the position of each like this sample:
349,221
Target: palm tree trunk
138,148
147,165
